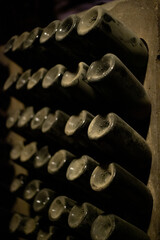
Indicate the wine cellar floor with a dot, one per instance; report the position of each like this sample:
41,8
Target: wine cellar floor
143,17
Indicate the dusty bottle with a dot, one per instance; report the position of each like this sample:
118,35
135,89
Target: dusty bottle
68,39
112,227
32,50
59,163
23,124
78,174
113,37
43,200
51,84
82,216
17,52
119,141
23,80
79,89
122,194
27,155
31,189
40,162
53,127
57,167
21,87
53,53
37,121
121,91
47,37
34,86
76,128
59,210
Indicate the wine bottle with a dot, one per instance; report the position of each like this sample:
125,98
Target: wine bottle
17,53
37,121
119,141
21,87
59,210
31,189
34,85
81,218
120,193
121,91
79,89
51,84
53,127
48,34
76,128
112,36
40,163
23,125
78,174
57,167
28,154
111,227
68,39
43,200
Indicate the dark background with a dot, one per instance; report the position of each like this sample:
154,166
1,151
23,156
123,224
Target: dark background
18,16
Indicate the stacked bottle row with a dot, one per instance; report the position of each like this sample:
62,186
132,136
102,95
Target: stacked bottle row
104,86
61,180
106,139
85,121
69,40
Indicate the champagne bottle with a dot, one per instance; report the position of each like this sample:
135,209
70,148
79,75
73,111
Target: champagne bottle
31,189
68,39
51,84
119,141
57,167
28,154
17,53
34,85
43,200
37,121
76,128
112,227
23,125
59,210
40,163
78,174
120,193
112,36
82,216
53,128
121,91
79,89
